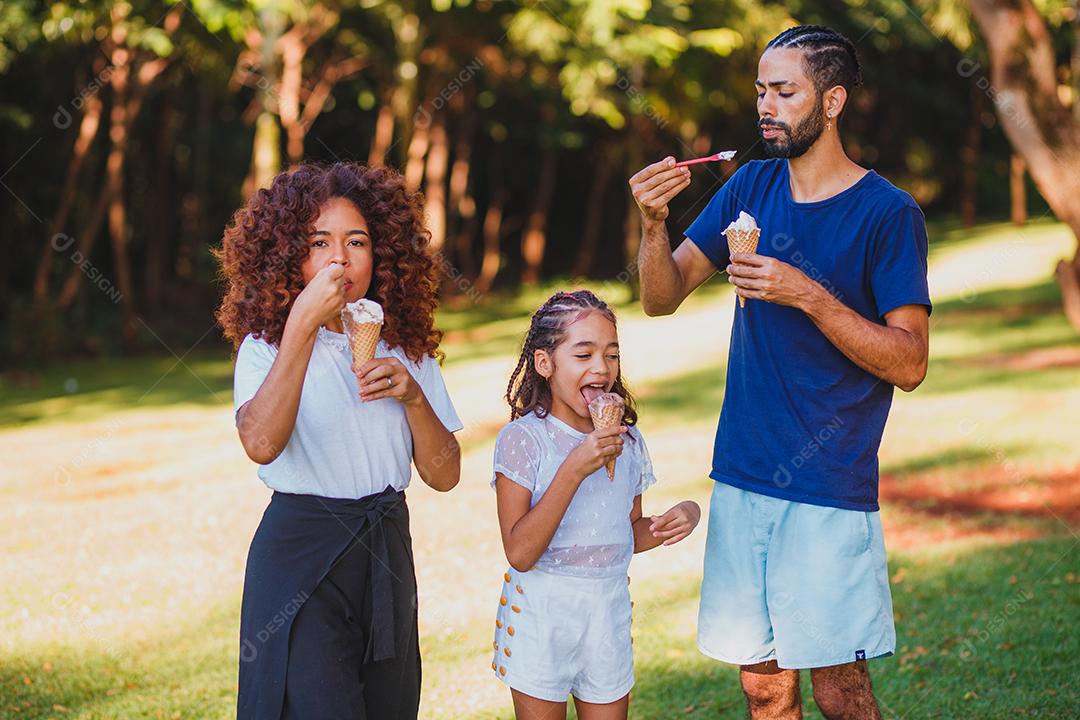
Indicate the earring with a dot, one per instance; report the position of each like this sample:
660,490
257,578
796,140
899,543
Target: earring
828,124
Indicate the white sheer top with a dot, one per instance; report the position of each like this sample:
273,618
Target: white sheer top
595,538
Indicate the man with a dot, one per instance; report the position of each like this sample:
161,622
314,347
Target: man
836,315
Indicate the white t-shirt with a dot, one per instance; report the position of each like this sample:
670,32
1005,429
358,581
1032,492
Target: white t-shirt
341,446
595,538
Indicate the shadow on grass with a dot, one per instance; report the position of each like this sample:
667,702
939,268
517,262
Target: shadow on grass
188,671
951,233
689,398
980,635
1002,304
951,459
997,495
86,390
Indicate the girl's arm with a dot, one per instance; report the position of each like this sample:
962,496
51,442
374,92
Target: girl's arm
266,421
668,529
526,533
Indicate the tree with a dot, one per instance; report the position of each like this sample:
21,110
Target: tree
1024,85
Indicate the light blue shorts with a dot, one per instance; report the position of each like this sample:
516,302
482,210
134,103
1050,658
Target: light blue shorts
805,585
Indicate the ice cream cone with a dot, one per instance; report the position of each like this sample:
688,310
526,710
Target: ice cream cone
607,412
742,237
363,337
363,324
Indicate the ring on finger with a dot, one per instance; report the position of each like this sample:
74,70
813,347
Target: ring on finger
389,382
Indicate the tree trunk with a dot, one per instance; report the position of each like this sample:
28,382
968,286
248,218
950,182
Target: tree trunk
534,239
1037,123
489,265
462,203
119,232
1017,191
158,219
414,166
266,144
85,242
265,154
292,60
594,212
193,206
383,136
438,160
632,223
1076,60
1068,277
969,156
88,129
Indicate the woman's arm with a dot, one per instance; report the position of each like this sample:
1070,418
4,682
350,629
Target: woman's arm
266,422
436,451
527,533
668,529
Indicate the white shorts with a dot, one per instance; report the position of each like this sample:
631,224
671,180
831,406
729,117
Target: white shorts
558,635
805,585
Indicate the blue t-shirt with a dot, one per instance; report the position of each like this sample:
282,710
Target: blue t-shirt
801,421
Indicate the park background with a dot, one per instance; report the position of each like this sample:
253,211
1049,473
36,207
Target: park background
132,130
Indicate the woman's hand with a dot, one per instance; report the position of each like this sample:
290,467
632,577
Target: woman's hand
597,448
676,523
322,299
388,378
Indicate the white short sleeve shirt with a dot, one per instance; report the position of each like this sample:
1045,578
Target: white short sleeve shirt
341,446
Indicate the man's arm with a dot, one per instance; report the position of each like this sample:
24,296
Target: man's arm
666,278
897,352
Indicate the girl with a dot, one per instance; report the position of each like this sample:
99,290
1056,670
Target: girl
563,623
328,622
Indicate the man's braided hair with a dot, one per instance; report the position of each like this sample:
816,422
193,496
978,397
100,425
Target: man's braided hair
529,391
830,57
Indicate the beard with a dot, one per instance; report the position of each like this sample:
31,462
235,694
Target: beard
795,142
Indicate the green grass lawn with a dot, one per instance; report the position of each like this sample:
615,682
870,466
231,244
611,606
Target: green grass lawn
979,474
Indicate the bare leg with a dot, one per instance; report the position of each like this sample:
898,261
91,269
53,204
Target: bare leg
843,692
526,707
771,693
608,711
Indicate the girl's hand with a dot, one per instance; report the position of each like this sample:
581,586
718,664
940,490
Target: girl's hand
388,378
676,523
595,450
323,298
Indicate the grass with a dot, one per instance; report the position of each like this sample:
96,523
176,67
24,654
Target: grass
128,511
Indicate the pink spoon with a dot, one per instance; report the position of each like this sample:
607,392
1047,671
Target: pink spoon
725,155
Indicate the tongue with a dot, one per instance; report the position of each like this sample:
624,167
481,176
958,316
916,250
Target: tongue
591,393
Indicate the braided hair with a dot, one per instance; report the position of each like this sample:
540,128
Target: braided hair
830,57
528,390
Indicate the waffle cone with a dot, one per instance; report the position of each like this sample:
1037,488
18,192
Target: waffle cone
607,417
363,337
742,241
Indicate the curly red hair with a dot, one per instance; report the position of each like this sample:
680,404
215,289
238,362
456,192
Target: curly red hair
266,242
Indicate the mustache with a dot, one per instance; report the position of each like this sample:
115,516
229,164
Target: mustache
773,124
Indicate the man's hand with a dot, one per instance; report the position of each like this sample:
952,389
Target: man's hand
655,185
758,277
